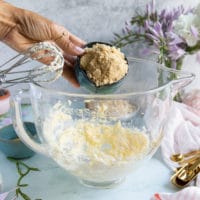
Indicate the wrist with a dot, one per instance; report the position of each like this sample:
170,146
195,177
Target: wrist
8,15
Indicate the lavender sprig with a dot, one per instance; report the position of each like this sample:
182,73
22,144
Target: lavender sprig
129,38
156,30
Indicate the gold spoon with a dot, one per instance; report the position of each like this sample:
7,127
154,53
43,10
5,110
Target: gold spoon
181,157
188,170
186,174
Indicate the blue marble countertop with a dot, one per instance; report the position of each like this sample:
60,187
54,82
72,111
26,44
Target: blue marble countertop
54,183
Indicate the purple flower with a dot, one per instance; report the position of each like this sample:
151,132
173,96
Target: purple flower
158,31
150,8
194,31
152,37
154,33
174,39
176,52
166,18
127,27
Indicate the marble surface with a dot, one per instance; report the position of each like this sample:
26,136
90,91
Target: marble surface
52,182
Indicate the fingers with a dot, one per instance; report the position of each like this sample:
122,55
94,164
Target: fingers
68,47
69,74
69,43
71,46
70,59
77,41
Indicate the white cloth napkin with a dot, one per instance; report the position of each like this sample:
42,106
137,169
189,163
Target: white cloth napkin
192,99
182,132
182,135
190,193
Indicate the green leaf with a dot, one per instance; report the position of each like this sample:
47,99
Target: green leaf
17,192
117,35
23,170
25,197
23,185
34,169
19,169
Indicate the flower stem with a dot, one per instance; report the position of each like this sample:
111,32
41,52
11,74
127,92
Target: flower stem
23,170
122,41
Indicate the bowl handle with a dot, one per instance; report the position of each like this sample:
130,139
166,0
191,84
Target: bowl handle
18,123
181,80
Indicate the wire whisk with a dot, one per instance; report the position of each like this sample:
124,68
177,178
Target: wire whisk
27,67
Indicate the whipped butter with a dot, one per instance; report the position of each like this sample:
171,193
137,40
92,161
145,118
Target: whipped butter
91,150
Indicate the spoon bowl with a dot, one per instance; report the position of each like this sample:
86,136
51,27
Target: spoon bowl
87,83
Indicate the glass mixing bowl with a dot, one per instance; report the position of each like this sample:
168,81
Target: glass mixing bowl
100,139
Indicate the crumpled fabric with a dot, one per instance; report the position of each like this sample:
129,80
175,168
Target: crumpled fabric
182,135
4,195
189,193
192,99
7,195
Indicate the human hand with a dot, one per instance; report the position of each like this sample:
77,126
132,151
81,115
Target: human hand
24,28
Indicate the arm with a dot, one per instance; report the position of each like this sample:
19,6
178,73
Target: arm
7,18
20,29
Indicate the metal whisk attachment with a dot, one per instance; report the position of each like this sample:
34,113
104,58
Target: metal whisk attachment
27,67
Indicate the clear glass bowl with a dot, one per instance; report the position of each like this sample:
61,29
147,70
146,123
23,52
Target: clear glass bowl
101,139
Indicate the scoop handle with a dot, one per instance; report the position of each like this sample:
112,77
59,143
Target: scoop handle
18,123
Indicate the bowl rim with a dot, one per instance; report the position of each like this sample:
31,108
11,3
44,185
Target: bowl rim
118,95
